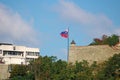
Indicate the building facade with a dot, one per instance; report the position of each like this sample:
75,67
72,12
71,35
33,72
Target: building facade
12,54
98,53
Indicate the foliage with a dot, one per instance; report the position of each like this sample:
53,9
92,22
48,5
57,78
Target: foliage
83,71
111,71
110,40
49,68
46,67
20,72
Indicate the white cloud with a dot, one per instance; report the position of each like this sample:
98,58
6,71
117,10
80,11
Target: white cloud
13,28
96,24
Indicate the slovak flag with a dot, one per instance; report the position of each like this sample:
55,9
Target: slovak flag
64,34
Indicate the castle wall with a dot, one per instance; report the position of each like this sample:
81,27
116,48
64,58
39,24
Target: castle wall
97,53
4,74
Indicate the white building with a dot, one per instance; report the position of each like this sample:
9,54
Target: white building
12,54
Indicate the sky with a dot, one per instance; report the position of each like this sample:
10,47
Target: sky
38,23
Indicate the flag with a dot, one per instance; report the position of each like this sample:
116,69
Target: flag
64,34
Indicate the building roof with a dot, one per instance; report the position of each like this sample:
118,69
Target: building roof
5,44
73,42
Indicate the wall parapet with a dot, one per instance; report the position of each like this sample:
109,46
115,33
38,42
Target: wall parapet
91,53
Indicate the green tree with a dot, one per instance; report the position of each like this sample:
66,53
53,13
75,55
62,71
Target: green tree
111,70
110,40
18,70
47,68
57,68
84,71
41,68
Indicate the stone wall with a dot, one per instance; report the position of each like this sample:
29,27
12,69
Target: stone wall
4,74
97,53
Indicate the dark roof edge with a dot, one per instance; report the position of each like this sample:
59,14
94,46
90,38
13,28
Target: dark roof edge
6,44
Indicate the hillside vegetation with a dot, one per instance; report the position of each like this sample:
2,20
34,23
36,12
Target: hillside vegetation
110,40
49,68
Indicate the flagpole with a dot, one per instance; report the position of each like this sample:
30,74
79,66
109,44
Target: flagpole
65,34
68,46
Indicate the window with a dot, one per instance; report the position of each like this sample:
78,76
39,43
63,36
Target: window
36,53
18,53
32,53
29,59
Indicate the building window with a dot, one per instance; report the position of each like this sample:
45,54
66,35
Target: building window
37,53
29,59
16,53
32,53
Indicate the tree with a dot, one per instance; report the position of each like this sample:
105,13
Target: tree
47,68
41,68
111,71
57,68
110,40
18,70
84,71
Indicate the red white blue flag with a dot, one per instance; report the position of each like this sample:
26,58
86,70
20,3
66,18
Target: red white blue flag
64,34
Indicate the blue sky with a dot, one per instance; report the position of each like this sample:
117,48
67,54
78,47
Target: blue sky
38,23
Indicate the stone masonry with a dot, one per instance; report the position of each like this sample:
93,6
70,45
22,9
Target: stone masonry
4,74
92,53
